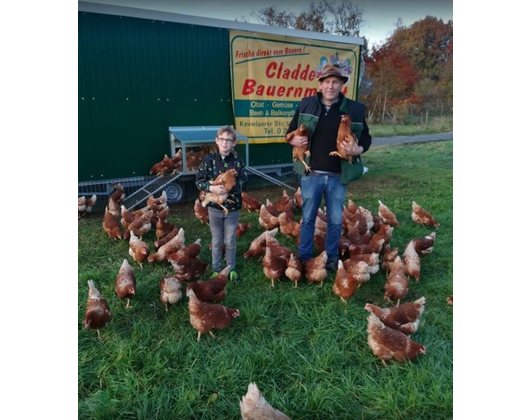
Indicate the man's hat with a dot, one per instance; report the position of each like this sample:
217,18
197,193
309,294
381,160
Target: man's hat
332,70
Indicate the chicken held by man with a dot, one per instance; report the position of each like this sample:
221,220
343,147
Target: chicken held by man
299,153
345,135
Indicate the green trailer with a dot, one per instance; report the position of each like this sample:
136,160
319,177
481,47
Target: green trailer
142,71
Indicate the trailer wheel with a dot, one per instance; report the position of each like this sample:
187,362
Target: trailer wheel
174,192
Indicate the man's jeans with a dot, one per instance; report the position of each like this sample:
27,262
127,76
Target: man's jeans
313,187
223,230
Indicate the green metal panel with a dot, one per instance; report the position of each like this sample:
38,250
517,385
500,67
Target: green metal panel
137,77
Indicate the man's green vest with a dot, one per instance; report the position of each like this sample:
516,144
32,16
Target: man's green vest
309,113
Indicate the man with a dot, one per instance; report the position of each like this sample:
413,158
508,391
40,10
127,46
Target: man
329,175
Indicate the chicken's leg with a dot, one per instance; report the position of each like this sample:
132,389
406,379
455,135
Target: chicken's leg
128,305
199,337
211,333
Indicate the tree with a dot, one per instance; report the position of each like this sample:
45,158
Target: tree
347,18
391,78
427,43
273,17
344,18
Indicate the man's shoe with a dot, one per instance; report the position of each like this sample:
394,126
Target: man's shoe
234,277
332,265
214,274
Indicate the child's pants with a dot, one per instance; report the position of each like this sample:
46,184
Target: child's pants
223,230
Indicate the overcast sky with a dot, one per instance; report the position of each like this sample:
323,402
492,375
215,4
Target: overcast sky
380,15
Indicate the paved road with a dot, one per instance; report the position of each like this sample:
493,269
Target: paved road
421,138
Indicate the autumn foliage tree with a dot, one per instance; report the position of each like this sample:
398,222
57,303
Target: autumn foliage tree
393,78
414,67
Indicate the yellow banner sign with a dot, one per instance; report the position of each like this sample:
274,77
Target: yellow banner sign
271,74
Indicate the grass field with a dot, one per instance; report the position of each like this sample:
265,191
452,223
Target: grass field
304,348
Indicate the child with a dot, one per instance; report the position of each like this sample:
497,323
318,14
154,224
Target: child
223,227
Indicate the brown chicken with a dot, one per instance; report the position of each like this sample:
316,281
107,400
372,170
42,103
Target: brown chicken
404,318
367,249
85,205
166,238
201,212
127,217
346,215
371,259
170,291
205,317
242,229
288,226
161,215
257,246
250,203
271,209
163,228
228,181
125,282
277,248
389,257
411,261
359,270
267,220
423,246
397,283
344,134
97,313
449,300
273,266
315,269
157,204
254,406
118,194
138,249
299,153
344,247
187,253
189,270
212,290
284,203
423,217
385,232
168,248
387,343
386,215
175,164
114,208
345,285
140,226
294,269
368,217
377,224
111,226
160,168
193,159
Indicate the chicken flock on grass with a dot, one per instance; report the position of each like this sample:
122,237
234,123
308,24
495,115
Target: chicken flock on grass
364,248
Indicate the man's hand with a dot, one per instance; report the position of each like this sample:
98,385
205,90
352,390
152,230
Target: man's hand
218,189
298,141
351,147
